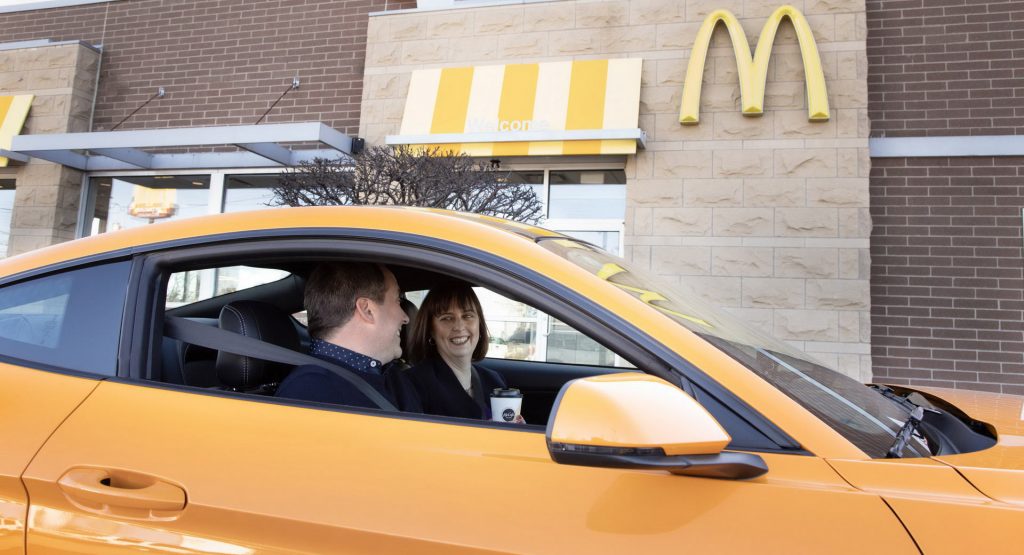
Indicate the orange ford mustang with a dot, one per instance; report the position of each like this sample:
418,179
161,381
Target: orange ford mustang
655,423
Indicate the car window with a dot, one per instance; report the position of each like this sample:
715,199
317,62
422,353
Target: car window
529,349
71,320
520,332
198,285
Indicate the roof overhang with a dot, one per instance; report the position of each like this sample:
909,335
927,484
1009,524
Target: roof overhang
255,146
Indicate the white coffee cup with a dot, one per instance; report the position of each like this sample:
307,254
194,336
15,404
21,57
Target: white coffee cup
506,404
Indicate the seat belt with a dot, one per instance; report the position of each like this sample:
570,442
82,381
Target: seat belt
222,340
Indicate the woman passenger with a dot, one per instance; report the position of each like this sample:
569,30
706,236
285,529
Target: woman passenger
448,336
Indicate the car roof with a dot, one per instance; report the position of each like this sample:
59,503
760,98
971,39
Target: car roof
471,229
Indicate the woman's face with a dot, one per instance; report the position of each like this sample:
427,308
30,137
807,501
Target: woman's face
455,332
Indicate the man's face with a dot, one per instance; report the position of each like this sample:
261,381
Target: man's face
389,321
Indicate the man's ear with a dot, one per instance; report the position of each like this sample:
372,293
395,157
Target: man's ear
365,309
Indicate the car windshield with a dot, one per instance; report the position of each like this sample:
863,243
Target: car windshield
863,416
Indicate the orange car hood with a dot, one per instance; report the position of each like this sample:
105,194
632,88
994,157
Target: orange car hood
998,472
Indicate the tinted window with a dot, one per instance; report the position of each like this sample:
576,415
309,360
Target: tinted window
71,320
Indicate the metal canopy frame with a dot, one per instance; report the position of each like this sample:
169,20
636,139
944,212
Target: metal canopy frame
521,136
123,150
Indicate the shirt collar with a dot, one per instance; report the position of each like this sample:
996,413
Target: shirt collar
340,355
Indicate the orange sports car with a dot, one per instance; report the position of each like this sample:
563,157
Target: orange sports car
654,423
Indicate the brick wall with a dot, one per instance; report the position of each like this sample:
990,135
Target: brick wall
947,275
945,67
222,62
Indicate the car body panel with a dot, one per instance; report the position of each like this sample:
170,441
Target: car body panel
943,512
995,471
959,527
271,478
27,423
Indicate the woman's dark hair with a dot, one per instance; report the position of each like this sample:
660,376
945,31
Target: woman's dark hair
439,300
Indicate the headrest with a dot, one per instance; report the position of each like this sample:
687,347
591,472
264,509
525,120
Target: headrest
410,310
260,321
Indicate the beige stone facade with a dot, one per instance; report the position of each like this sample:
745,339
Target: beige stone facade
63,79
767,216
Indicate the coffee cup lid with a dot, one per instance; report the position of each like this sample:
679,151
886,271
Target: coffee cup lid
503,392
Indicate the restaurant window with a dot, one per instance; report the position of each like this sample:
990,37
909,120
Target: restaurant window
578,194
133,201
250,192
6,207
589,204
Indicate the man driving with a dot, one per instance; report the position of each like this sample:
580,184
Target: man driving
355,318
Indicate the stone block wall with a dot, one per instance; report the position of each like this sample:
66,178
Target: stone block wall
63,78
767,216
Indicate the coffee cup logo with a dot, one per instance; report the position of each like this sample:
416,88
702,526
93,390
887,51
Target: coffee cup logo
508,414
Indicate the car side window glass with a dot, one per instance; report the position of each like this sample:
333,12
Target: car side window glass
198,285
520,332
71,320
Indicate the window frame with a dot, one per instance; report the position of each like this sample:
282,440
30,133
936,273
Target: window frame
152,267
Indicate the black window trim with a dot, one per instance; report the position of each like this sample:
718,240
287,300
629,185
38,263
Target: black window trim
428,253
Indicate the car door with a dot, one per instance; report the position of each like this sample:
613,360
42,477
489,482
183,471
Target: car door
56,343
266,477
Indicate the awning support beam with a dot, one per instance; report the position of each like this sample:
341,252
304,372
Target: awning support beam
270,151
131,156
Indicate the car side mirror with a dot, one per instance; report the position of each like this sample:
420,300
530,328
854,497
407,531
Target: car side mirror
633,420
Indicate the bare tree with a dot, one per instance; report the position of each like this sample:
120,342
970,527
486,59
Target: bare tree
409,177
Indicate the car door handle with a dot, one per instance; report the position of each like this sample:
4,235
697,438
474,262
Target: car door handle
119,488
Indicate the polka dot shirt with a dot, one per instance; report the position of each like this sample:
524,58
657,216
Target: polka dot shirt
344,357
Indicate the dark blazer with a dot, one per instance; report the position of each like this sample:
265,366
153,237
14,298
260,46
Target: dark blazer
315,383
442,394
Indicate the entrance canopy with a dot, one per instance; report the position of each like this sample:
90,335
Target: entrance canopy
238,146
580,107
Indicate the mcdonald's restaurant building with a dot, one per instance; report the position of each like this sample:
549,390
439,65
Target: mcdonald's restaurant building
846,174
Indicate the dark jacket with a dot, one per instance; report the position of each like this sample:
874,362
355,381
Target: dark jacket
442,394
315,383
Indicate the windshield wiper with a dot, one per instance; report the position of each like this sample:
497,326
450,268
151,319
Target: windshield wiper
909,428
888,393
906,432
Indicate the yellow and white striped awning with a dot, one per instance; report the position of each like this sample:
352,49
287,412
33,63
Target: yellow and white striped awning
13,111
551,108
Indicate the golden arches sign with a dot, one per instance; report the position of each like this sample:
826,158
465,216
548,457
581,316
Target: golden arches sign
753,72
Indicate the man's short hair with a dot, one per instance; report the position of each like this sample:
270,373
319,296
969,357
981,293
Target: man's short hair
332,290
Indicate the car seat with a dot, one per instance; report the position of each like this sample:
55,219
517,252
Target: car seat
261,321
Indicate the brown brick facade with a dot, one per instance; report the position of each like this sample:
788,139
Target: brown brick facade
945,67
947,274
222,62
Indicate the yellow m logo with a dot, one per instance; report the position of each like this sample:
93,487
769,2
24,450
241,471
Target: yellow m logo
753,72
